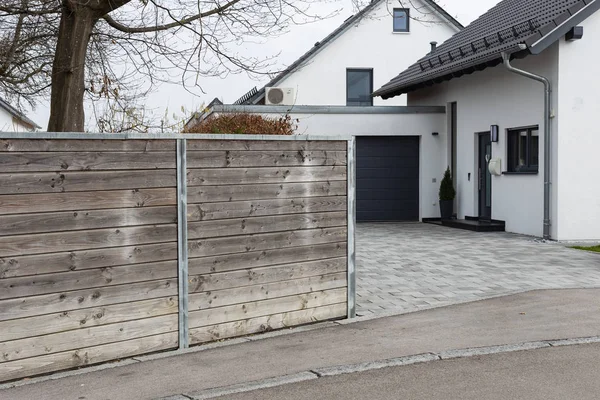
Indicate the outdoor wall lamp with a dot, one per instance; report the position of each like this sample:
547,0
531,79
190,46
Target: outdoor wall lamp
494,133
435,133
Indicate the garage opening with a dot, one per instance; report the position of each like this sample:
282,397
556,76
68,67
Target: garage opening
387,178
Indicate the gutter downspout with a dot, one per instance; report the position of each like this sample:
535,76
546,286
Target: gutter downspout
547,135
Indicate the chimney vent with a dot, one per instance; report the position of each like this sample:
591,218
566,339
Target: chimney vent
433,46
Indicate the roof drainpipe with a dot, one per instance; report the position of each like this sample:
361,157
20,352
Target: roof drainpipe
547,135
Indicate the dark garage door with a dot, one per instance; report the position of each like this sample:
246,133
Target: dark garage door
387,178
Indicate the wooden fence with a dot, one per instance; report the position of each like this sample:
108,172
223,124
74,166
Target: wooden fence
94,264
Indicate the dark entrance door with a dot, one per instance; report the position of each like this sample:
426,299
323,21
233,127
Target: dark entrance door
485,178
387,178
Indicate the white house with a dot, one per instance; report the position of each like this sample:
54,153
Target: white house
329,90
12,120
490,77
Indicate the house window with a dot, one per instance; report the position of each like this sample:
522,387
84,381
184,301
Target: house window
523,150
401,20
359,86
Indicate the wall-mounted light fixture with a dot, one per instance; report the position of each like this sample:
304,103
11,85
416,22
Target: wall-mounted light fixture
494,133
435,133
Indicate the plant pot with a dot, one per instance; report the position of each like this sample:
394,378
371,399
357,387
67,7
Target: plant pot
446,208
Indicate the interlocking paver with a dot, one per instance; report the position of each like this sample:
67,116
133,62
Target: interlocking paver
407,267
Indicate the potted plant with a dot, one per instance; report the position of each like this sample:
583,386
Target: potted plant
447,195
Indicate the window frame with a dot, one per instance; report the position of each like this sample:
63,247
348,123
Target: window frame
529,168
348,71
407,12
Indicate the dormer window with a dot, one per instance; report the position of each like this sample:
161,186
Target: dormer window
401,20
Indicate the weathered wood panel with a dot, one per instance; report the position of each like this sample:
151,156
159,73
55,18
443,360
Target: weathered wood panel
86,259
86,337
78,145
48,202
58,182
209,194
244,244
234,279
248,176
233,159
268,145
233,227
108,276
264,258
266,324
86,356
71,320
92,239
87,161
66,302
88,252
226,297
256,208
86,219
220,315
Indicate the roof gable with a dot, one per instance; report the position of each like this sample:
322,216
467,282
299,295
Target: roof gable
18,115
517,27
259,95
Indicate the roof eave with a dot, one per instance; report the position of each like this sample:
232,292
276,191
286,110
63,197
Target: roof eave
556,31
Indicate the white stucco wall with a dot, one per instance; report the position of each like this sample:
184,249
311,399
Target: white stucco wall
497,97
578,183
371,43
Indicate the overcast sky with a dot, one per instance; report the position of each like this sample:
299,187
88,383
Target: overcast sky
289,47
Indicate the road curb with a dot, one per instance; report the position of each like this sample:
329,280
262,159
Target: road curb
337,370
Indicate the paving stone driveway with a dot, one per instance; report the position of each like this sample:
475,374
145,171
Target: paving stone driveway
407,267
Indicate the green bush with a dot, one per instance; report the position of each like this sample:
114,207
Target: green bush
447,191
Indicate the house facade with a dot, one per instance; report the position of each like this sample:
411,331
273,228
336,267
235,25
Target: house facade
473,76
363,53
12,120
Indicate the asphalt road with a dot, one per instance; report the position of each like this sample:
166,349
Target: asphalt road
571,372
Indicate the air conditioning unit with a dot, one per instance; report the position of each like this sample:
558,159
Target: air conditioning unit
279,96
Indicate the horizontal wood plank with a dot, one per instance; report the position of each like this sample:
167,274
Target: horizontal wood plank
269,145
86,356
79,240
58,182
251,243
262,275
87,298
67,281
266,324
82,145
236,159
212,194
254,259
86,259
261,308
279,223
95,200
298,285
85,317
86,337
87,161
85,219
256,208
247,176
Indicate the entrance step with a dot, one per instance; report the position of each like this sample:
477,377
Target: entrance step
470,224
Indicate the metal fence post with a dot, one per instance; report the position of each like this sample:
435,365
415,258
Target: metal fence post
351,227
182,245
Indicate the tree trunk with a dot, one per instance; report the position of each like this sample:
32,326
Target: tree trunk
68,70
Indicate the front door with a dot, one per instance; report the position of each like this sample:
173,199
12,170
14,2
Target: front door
485,178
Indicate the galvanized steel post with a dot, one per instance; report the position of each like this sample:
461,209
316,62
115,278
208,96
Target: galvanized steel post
182,245
351,191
